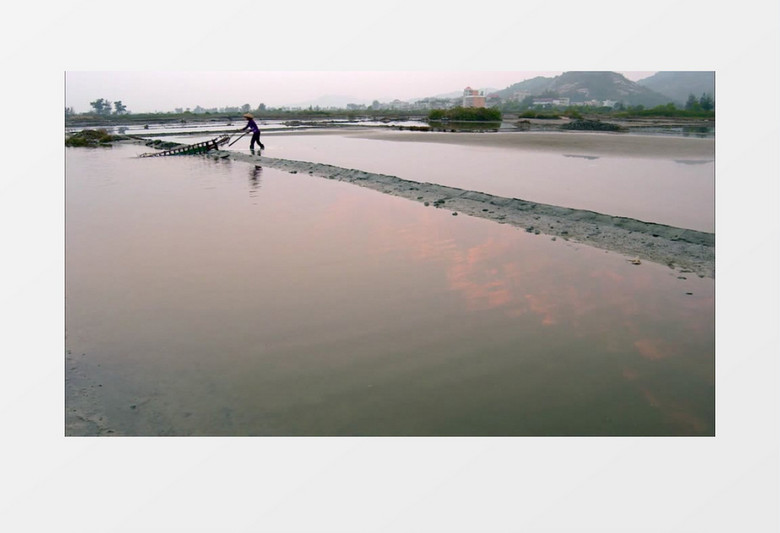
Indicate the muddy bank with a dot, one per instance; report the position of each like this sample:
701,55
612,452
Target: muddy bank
83,415
684,249
596,144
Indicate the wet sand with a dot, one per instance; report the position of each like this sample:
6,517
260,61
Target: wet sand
581,143
575,142
684,249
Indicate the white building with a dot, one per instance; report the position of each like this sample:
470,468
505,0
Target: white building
519,96
551,102
473,98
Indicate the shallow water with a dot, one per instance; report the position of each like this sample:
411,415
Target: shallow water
676,192
215,298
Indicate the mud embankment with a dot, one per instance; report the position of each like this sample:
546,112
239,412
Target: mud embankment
684,249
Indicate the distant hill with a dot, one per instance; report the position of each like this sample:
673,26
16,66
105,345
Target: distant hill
680,85
581,86
534,86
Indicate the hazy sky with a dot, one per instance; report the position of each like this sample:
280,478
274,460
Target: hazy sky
146,91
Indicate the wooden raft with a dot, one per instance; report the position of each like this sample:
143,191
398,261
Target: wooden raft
190,149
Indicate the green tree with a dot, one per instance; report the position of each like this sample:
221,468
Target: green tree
246,108
101,106
527,102
706,102
119,108
692,104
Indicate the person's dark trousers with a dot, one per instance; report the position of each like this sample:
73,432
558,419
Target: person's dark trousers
256,139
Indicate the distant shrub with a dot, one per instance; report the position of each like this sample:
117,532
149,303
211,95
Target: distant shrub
90,138
668,110
591,125
466,114
539,115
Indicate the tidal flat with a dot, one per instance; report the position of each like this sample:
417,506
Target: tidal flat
224,296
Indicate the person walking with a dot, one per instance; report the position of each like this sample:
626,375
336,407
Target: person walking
252,125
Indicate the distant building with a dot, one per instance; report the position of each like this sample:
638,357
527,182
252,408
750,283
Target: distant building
398,105
551,102
493,99
519,96
434,103
473,98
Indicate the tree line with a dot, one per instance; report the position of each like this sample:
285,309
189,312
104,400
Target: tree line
466,114
102,106
705,103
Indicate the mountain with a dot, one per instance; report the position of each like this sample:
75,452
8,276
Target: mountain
534,86
581,86
681,84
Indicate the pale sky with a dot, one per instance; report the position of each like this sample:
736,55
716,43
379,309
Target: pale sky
149,91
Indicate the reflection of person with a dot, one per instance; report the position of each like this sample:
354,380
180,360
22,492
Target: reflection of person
252,125
255,180
257,173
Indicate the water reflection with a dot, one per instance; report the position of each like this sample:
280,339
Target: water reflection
484,280
604,305
543,290
255,179
589,157
693,161
457,126
654,349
